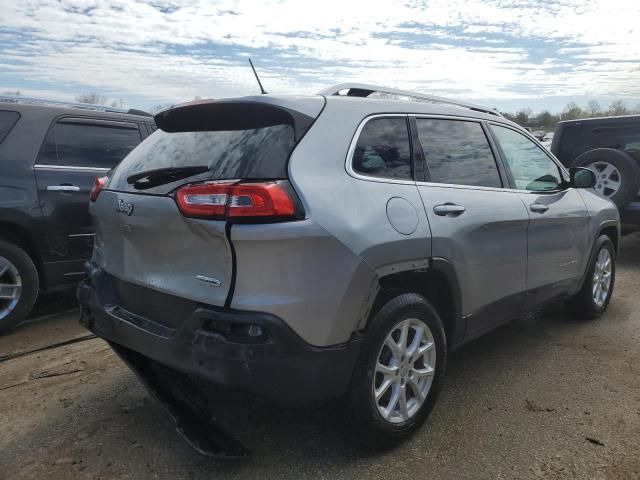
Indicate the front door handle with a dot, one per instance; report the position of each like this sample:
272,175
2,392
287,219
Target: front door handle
538,207
449,210
63,188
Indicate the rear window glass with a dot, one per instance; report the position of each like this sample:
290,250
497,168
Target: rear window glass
260,153
383,149
621,138
87,145
7,121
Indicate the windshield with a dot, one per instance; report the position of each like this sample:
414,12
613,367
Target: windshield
259,153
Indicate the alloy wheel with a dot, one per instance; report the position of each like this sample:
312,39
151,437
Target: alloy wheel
608,178
601,282
10,287
404,370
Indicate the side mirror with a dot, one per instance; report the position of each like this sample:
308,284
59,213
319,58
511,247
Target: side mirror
582,177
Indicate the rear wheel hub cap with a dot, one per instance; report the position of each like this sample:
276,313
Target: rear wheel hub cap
10,287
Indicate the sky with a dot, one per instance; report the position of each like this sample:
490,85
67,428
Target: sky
508,54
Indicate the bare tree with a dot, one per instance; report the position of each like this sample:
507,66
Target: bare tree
572,111
593,108
158,108
92,98
117,103
546,120
522,117
15,93
618,108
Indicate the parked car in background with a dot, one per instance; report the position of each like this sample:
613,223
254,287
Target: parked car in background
539,134
50,156
547,140
610,147
310,247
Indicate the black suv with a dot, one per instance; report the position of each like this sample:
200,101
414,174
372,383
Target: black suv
609,146
51,154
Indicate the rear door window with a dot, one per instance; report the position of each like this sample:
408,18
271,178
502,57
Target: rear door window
79,143
7,121
457,152
383,149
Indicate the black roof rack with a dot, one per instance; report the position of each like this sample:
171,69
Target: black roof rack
364,90
81,106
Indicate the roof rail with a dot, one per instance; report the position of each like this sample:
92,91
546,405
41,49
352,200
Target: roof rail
81,106
364,90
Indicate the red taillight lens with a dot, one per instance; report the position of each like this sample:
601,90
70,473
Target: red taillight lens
98,185
203,200
244,200
260,200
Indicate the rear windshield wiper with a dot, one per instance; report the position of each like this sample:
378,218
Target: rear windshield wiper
161,176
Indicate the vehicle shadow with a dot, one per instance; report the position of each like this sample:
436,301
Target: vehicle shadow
53,303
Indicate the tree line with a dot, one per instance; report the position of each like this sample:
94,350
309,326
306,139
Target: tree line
545,120
92,98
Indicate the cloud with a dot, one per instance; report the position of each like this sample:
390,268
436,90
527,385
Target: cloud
159,51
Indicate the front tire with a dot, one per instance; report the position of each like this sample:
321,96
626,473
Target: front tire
18,285
593,298
399,373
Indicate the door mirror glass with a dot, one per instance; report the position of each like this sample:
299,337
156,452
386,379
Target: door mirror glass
582,178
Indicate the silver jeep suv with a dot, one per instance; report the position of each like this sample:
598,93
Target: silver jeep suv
336,245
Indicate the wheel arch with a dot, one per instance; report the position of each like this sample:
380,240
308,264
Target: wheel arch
19,235
612,231
439,285
608,229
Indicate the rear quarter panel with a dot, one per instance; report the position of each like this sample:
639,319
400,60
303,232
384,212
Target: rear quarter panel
325,270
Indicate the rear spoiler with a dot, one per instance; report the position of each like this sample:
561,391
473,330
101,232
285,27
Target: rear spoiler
240,114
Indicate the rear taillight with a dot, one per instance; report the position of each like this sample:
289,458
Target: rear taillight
265,200
98,185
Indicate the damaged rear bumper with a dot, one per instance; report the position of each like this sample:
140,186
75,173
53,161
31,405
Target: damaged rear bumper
240,349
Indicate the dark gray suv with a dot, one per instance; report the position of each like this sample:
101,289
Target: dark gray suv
50,156
334,245
610,146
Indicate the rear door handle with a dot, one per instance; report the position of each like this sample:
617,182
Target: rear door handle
63,188
449,210
538,207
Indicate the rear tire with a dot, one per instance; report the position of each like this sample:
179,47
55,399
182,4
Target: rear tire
419,380
592,300
19,280
613,168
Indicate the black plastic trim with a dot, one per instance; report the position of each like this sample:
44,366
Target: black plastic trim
278,364
445,267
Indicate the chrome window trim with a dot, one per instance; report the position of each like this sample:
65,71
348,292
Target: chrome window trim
465,187
352,149
72,274
65,167
75,235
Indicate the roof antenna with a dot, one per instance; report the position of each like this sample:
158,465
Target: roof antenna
262,90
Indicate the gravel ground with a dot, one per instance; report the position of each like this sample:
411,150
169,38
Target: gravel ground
545,396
